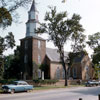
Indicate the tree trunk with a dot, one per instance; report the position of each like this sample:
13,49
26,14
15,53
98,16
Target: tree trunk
66,82
61,51
64,66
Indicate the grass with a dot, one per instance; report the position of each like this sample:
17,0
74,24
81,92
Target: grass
55,87
48,87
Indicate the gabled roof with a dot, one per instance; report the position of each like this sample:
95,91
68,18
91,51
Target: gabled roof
79,57
54,55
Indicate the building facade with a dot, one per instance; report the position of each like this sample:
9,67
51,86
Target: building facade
33,47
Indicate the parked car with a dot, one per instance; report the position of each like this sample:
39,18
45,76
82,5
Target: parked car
92,83
17,86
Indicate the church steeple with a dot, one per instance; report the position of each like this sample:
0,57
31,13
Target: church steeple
32,22
33,6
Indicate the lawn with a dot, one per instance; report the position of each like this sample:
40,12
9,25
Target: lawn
48,87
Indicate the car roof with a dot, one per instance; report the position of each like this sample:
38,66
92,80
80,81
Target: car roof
20,81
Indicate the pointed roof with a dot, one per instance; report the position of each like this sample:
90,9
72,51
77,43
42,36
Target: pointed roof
53,54
33,8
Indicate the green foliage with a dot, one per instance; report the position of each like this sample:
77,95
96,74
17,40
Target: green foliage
5,18
45,68
96,55
97,70
8,11
77,35
1,67
10,40
94,40
45,81
5,81
94,43
6,42
13,67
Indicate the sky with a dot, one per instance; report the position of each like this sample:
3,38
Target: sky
89,10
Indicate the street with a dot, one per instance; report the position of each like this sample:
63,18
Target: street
86,93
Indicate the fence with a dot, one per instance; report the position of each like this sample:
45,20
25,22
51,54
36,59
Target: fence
98,97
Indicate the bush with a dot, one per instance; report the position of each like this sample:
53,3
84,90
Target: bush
4,81
38,81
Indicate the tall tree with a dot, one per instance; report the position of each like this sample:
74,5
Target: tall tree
13,67
60,30
94,43
5,43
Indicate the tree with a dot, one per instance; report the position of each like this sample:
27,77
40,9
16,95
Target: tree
8,11
94,43
60,30
5,43
7,63
94,40
13,67
77,35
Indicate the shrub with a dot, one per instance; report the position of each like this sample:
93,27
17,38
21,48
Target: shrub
4,81
38,81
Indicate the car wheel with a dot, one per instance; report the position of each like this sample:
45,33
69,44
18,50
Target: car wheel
28,90
12,91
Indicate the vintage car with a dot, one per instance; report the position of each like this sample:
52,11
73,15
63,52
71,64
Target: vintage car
17,86
92,83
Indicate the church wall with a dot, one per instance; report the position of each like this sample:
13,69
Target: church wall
87,70
38,51
27,65
56,71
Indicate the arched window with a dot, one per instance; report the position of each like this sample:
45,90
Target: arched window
39,59
58,73
74,72
39,44
63,73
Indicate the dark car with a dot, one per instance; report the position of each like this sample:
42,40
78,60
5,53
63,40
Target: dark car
92,83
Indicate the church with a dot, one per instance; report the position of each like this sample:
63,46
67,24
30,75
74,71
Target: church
35,53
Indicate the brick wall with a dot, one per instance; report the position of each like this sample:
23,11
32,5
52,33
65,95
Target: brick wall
32,51
53,70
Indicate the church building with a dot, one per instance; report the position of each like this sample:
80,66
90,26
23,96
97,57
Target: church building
35,53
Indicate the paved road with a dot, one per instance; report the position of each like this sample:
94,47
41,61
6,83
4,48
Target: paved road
87,93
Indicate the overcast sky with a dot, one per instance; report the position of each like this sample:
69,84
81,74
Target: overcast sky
89,10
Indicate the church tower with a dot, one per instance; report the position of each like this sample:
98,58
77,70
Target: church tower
33,47
32,22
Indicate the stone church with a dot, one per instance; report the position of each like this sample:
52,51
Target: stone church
34,51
